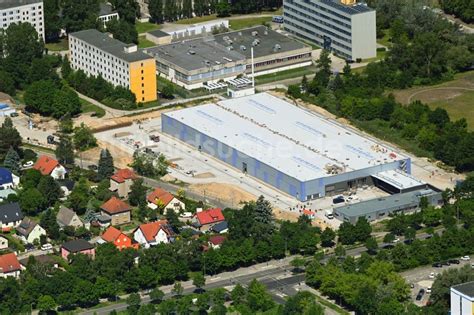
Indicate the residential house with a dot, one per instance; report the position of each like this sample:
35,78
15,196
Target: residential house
121,182
8,180
49,166
79,246
153,233
205,220
119,239
10,216
4,193
9,266
118,210
160,198
216,241
3,242
221,227
29,231
67,217
67,185
44,260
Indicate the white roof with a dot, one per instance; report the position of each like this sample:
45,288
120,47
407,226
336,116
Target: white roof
399,179
283,136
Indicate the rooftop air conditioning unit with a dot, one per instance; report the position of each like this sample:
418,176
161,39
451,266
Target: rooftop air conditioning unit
242,47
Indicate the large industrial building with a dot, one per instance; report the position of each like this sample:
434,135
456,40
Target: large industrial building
344,27
194,63
124,65
22,11
292,149
462,299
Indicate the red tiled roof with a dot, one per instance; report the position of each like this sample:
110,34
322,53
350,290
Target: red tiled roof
115,205
123,174
45,164
9,262
217,239
308,212
111,234
160,194
150,230
210,216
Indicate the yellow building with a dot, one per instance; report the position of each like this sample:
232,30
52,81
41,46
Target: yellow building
121,64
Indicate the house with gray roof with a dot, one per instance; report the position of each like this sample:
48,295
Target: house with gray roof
67,217
29,231
10,216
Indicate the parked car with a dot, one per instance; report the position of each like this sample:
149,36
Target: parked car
420,294
15,114
428,290
445,263
28,164
396,240
338,199
454,261
432,275
46,246
92,167
437,265
465,258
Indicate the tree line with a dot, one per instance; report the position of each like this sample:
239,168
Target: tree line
463,9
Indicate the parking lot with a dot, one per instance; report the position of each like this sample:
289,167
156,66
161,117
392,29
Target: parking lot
423,278
194,167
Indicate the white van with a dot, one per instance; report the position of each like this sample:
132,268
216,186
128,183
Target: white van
46,246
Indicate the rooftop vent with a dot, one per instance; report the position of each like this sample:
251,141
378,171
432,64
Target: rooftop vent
230,47
191,52
254,33
277,47
242,47
130,49
227,59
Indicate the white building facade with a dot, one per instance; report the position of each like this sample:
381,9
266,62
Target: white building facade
462,299
348,30
23,11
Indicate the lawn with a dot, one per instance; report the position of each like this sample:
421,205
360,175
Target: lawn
283,75
144,43
456,96
143,27
62,44
87,107
239,24
386,39
197,19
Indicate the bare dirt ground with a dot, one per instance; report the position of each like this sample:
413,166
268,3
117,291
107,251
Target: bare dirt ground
121,158
226,192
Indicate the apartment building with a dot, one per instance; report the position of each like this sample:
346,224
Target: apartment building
22,11
344,27
121,64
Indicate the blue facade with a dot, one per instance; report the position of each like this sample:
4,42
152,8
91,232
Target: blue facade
301,190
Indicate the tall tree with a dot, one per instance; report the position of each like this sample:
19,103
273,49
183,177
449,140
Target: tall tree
50,190
155,7
79,15
137,195
64,150
128,10
84,138
9,138
12,161
258,298
187,9
123,31
52,22
106,165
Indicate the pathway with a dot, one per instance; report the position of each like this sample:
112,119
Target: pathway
439,88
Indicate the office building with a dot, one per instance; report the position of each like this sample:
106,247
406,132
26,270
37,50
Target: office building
22,11
294,150
462,299
346,28
198,62
121,64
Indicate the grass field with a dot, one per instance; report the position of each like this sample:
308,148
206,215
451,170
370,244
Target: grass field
143,27
61,45
144,43
239,24
89,108
283,75
456,96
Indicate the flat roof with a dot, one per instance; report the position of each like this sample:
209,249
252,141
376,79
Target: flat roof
326,138
267,37
349,9
6,4
194,53
283,136
159,33
465,288
392,202
110,45
399,179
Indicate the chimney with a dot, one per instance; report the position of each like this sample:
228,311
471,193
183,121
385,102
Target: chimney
198,210
348,2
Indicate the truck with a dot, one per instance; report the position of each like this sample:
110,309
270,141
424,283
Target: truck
329,214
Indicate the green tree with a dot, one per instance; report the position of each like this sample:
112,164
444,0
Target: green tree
31,201
362,229
263,216
156,295
9,138
64,150
198,280
327,237
40,97
52,22
50,190
410,234
7,83
128,10
258,298
137,195
83,138
12,161
388,238
177,289
223,9
187,10
340,251
79,15
123,31
371,245
238,294
133,303
46,303
155,8
79,197
302,303
106,165
65,101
